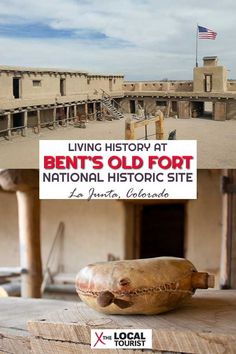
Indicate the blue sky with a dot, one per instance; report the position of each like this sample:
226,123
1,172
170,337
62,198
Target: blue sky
144,39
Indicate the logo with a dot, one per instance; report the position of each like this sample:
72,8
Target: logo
99,337
121,338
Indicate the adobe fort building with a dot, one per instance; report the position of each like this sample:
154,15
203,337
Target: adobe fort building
35,98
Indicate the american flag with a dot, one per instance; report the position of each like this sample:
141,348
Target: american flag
206,33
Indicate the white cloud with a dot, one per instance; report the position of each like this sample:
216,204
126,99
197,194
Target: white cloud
160,35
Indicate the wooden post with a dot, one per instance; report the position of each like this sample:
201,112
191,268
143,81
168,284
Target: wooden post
160,126
54,117
168,108
25,184
228,253
29,238
232,175
67,115
86,111
75,112
25,122
38,121
94,110
129,130
9,126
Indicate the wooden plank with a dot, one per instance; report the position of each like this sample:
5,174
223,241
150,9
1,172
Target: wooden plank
14,315
42,346
142,123
14,343
204,325
130,126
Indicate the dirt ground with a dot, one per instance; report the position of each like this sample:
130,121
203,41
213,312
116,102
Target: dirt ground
216,140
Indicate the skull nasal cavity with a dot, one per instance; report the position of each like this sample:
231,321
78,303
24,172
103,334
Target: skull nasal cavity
124,281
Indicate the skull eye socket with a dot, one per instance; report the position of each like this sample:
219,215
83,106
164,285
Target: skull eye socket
124,282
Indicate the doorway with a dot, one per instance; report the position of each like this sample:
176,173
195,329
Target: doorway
16,87
132,106
202,110
17,120
162,228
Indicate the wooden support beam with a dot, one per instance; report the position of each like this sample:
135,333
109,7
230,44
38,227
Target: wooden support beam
168,108
25,184
54,117
38,121
75,112
86,108
67,114
25,122
9,126
94,110
228,247
86,111
129,130
29,235
160,127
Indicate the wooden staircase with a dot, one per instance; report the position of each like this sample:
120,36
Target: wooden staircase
111,106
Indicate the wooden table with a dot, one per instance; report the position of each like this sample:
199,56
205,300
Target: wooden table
206,324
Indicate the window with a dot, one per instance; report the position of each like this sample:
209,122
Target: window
16,87
62,87
37,83
208,83
110,84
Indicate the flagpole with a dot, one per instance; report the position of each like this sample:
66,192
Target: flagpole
197,47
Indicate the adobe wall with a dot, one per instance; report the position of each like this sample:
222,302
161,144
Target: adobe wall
94,229
219,78
78,87
171,86
204,223
231,85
